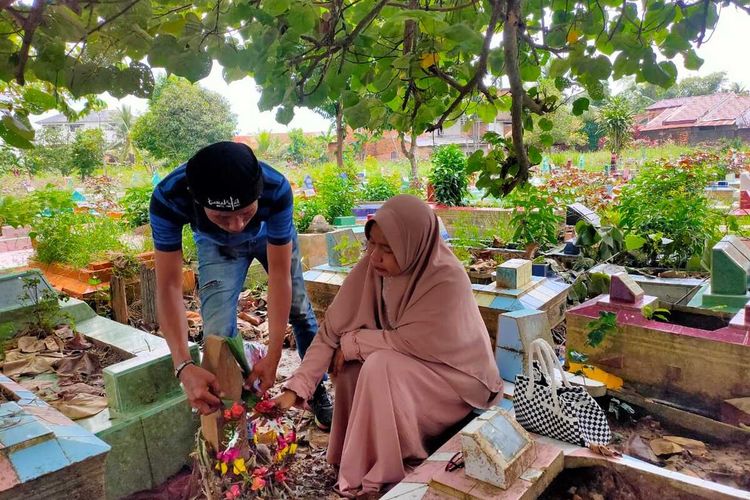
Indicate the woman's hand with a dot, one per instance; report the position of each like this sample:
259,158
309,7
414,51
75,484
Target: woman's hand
286,399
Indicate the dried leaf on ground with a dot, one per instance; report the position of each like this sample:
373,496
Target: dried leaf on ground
662,447
29,344
27,364
77,343
695,447
80,405
637,448
81,367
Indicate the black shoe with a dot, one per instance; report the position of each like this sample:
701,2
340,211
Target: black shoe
322,408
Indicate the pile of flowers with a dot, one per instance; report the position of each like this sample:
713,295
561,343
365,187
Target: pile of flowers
257,446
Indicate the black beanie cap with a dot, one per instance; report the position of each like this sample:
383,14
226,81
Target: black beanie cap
224,176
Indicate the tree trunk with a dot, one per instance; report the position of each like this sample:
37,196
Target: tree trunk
411,154
148,297
119,299
340,135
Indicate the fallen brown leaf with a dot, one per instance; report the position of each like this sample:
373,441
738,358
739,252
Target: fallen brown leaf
663,447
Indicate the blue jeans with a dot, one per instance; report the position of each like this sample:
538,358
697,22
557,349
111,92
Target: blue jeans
221,275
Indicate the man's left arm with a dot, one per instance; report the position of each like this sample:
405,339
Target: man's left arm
279,253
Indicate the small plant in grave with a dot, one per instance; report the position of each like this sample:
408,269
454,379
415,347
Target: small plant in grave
45,308
598,331
658,313
349,249
534,217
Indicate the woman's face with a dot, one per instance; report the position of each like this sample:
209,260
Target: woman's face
381,255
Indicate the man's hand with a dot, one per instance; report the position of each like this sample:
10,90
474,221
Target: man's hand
286,400
265,372
202,389
337,363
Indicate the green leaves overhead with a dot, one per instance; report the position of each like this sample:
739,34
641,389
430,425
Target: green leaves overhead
411,66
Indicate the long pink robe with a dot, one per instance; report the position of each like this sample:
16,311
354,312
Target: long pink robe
418,355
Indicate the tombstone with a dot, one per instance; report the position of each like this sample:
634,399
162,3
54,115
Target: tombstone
730,177
744,200
569,163
78,197
545,165
12,290
745,181
308,182
515,332
441,227
319,225
623,288
581,162
496,449
730,265
343,248
579,211
513,274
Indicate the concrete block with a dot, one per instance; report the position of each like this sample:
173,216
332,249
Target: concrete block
348,220
139,382
313,249
509,363
623,288
496,449
518,329
128,467
169,430
514,274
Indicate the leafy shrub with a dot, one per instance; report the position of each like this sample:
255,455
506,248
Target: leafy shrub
76,239
381,187
534,217
136,204
20,211
304,211
667,200
449,177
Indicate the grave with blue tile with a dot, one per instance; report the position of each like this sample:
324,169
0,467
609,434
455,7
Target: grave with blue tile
147,428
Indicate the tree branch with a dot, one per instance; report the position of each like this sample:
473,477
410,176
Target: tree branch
476,81
32,22
517,92
434,9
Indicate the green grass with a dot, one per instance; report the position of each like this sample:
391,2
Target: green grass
595,161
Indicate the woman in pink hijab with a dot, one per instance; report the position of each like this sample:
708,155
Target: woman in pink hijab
407,346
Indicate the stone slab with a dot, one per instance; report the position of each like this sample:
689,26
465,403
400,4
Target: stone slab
623,288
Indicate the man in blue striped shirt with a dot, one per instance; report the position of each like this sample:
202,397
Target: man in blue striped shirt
239,209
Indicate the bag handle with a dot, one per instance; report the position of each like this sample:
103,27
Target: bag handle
541,352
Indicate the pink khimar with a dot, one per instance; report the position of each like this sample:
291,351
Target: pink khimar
428,323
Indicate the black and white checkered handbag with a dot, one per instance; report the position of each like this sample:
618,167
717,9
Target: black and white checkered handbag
554,408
